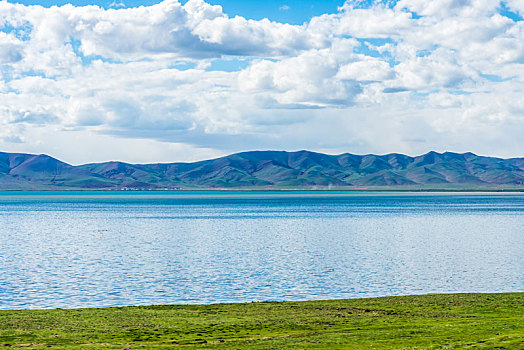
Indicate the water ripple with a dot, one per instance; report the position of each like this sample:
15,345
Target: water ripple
87,251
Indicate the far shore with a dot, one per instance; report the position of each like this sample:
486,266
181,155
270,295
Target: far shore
394,189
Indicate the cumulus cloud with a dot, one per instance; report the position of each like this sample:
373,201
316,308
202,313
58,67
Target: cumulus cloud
404,76
308,79
10,48
196,29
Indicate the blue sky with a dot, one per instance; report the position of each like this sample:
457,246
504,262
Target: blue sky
183,81
289,11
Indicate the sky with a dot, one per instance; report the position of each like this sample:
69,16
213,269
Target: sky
165,81
290,11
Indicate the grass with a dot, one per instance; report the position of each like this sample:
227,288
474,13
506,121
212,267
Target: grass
446,321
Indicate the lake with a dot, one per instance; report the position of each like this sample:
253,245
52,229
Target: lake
91,249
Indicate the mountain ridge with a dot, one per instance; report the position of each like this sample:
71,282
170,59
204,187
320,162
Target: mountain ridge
267,169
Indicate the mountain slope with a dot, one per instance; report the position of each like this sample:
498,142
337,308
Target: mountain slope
267,169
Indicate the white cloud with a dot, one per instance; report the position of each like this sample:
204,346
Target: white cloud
406,77
370,69
515,5
376,22
195,29
116,4
10,48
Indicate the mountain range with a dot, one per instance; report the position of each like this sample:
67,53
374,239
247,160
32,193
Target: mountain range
268,170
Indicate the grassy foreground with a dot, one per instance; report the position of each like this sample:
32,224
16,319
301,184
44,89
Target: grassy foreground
453,321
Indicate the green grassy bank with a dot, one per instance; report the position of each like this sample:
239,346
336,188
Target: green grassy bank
454,321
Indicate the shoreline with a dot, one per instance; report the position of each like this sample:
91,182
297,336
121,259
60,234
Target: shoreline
237,303
221,192
458,320
235,195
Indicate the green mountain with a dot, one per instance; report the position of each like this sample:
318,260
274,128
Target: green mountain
269,169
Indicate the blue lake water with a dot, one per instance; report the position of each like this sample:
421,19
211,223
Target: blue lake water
69,249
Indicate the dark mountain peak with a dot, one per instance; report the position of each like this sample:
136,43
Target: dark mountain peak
430,155
258,154
303,151
458,156
470,156
38,164
12,160
428,158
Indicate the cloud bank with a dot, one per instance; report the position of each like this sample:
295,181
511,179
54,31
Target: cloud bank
175,82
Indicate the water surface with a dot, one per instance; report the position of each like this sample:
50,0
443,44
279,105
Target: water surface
85,249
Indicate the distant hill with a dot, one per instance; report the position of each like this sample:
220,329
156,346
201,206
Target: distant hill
271,170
